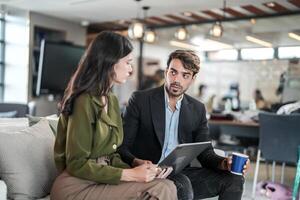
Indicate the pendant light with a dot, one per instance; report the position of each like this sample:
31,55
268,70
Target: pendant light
217,28
136,29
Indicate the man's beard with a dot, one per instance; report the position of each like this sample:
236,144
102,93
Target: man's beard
178,90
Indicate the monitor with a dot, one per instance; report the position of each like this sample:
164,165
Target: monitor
57,63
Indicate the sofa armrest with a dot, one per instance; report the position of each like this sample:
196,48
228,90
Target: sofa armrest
3,190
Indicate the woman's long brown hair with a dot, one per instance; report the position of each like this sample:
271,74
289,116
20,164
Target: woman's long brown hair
95,70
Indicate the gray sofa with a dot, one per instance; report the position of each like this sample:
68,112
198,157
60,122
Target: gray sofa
27,168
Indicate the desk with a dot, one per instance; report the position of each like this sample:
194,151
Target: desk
236,128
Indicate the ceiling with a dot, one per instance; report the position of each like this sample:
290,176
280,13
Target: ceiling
118,14
97,11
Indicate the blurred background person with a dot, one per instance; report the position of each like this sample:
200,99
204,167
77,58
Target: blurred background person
232,97
260,102
154,81
202,93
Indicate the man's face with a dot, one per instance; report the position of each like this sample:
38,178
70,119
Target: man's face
177,78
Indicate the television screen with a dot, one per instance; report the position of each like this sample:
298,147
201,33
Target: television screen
57,63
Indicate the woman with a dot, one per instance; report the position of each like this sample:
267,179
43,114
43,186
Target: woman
90,130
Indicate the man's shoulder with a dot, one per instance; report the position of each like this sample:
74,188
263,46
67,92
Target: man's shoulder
194,101
146,93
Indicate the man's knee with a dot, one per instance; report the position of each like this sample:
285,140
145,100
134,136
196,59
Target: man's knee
234,182
184,186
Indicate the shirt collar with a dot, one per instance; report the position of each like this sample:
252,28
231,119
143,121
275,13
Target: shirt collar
167,100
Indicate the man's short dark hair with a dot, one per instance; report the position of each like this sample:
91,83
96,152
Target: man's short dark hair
188,58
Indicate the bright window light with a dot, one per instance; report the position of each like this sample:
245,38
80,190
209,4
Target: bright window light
257,53
230,54
289,52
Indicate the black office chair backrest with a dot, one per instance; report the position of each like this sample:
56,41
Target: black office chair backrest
21,109
279,137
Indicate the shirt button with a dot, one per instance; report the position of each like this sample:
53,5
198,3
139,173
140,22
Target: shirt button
114,146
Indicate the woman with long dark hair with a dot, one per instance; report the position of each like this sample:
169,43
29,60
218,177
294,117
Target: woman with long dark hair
90,131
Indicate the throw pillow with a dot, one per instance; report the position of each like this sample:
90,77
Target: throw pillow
26,161
52,120
9,114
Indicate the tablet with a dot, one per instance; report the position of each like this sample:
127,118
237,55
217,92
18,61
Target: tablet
183,155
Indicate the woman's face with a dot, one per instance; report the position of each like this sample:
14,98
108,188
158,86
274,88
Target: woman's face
123,69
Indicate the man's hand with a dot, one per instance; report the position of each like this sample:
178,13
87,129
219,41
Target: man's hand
137,162
226,165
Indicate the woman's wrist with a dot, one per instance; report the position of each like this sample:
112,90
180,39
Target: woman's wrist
127,175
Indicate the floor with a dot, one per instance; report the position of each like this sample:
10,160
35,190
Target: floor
289,179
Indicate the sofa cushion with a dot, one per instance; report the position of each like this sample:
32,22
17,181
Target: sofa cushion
26,161
52,120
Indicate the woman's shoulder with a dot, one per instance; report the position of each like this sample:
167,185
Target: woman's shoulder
83,98
83,101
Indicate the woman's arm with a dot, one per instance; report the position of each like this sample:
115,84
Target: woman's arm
79,143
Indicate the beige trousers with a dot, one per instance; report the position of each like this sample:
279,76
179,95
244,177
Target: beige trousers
67,187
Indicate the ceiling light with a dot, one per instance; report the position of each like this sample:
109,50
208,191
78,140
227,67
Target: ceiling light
253,21
209,44
258,41
85,23
181,33
294,36
271,4
150,36
187,14
136,30
121,21
216,30
183,45
201,44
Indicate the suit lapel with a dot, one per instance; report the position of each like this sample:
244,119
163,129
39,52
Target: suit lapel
184,120
157,103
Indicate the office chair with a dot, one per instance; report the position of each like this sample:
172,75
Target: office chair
279,138
21,109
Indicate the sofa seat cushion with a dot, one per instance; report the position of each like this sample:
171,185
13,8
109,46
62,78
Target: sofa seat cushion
26,161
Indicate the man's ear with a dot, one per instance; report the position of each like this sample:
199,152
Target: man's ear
166,71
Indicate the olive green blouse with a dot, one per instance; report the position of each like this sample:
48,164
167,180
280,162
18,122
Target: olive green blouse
88,133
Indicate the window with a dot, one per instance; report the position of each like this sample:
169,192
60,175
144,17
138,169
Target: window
1,57
289,52
16,40
257,53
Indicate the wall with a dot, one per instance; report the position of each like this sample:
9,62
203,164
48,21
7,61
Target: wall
218,75
249,74
74,33
152,51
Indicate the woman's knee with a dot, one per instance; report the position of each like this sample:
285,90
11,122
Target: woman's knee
168,185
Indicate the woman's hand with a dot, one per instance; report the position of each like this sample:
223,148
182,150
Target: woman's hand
143,173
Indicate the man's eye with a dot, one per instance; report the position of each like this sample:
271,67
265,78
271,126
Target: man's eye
186,76
173,73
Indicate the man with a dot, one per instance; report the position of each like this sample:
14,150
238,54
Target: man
156,120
